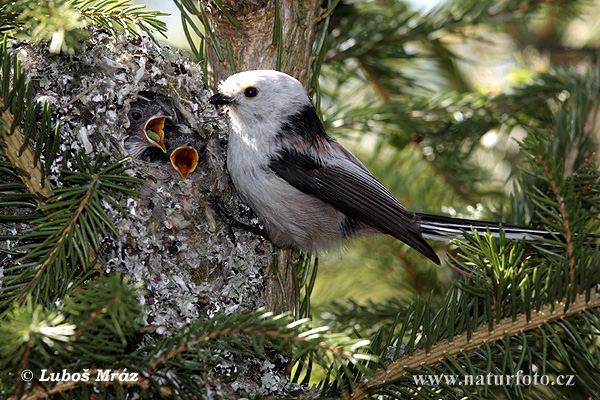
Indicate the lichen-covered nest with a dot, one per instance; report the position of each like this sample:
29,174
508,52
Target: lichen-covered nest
191,262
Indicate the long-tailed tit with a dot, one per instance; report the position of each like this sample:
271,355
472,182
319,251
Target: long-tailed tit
310,192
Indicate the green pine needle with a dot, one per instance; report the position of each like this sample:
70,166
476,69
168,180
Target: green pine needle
62,22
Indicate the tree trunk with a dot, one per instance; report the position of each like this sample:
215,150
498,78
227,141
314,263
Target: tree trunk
255,35
264,38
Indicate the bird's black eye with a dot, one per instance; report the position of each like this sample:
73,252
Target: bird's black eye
136,115
250,91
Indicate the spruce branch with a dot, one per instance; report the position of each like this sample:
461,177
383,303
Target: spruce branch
53,21
60,242
103,313
32,176
31,327
69,234
507,283
246,334
92,318
190,8
565,220
16,106
408,25
141,382
464,343
106,313
113,15
277,328
62,22
47,243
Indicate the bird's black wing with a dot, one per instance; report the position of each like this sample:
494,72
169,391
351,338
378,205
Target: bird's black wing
350,188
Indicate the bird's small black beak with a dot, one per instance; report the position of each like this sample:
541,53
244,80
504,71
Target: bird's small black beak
220,100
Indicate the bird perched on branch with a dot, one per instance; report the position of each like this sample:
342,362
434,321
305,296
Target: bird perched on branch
310,192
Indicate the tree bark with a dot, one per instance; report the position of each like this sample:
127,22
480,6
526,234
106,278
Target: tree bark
264,37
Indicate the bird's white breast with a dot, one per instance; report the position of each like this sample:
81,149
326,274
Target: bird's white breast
292,217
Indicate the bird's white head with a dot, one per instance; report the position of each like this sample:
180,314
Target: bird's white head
257,97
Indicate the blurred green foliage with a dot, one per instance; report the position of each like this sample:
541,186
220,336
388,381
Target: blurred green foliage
433,101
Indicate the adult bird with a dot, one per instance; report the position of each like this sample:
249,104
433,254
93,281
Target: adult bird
308,190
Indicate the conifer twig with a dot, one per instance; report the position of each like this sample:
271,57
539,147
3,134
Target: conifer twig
62,237
133,18
91,320
463,343
80,95
42,392
234,331
24,359
141,379
565,221
30,174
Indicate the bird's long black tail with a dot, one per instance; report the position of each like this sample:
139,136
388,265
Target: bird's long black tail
447,228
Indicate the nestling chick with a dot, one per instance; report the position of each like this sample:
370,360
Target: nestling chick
154,132
146,130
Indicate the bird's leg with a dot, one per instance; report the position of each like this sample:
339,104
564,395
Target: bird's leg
219,208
